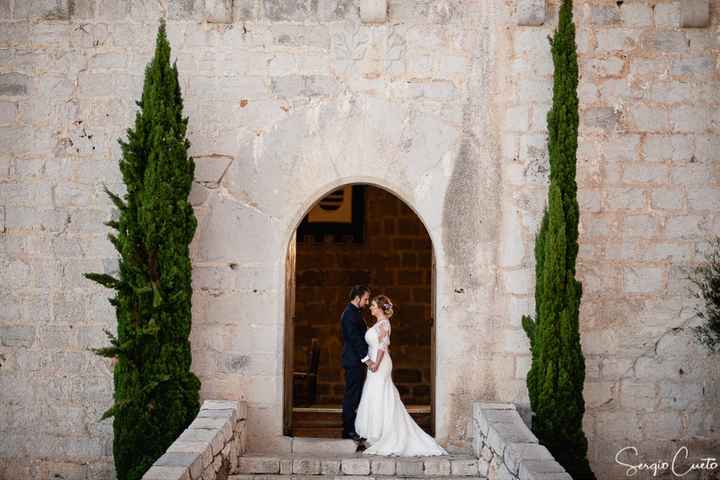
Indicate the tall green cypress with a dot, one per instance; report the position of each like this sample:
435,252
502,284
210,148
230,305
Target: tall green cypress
557,374
156,394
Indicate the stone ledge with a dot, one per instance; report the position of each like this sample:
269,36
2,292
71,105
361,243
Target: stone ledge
214,440
502,439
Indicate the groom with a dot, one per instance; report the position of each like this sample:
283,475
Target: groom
354,355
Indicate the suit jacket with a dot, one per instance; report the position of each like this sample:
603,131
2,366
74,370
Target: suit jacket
353,329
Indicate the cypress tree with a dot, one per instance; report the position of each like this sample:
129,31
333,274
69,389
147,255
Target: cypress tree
156,394
557,374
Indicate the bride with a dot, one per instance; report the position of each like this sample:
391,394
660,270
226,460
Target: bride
381,416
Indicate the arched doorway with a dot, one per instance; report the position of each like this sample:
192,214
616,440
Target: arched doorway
356,234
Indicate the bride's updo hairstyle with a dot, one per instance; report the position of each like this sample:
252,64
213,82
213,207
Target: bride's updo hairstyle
383,302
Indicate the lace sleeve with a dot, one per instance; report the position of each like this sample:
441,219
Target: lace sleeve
384,335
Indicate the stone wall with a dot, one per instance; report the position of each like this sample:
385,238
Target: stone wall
209,448
648,187
444,105
504,443
395,259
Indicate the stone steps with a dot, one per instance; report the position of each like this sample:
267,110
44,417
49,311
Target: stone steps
341,477
358,467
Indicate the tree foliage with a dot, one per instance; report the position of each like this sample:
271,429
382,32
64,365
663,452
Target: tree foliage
557,374
156,394
706,278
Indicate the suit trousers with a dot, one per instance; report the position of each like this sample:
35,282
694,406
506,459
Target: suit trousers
354,381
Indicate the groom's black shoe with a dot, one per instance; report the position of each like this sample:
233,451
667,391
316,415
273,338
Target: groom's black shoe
354,436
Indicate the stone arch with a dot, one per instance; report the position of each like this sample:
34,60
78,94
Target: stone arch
318,193
250,212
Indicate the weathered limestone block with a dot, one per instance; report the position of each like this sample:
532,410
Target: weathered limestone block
195,436
382,466
330,467
306,466
693,67
636,14
289,10
464,467
165,473
17,336
516,452
182,9
604,118
219,11
259,465
14,84
190,460
220,413
531,12
643,280
244,10
667,199
291,86
193,447
678,396
355,466
695,13
409,468
671,42
667,15
45,9
112,9
437,467
604,15
373,11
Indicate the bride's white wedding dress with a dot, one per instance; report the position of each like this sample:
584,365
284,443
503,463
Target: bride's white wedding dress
381,416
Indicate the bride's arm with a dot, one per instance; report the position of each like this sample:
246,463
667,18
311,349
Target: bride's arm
384,337
380,355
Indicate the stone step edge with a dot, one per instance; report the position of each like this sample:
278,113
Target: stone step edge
428,467
276,476
356,456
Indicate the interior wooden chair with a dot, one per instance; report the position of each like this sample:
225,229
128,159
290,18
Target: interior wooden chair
307,381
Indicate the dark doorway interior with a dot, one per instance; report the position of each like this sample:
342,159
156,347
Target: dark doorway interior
389,249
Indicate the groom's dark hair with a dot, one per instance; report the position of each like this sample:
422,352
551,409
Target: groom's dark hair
358,291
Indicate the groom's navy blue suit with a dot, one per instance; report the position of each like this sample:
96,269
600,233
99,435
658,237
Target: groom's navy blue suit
354,352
